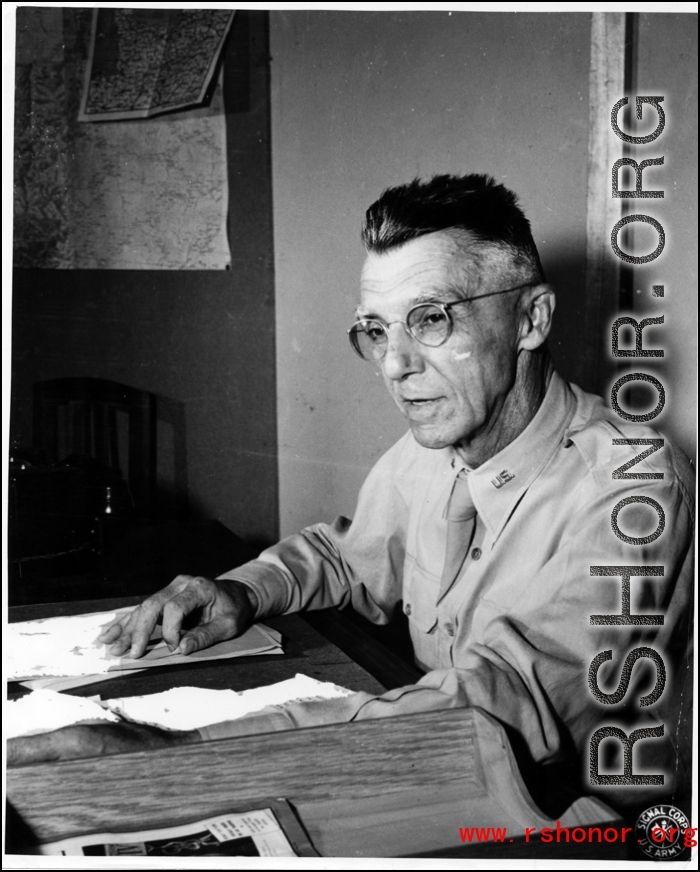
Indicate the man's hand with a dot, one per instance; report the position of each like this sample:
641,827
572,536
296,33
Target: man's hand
221,609
96,740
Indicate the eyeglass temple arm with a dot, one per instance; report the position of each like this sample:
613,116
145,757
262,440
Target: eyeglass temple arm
490,294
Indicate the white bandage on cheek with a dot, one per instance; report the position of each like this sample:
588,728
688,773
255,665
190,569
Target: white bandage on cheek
462,355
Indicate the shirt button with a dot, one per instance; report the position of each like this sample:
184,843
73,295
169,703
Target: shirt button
476,553
449,629
407,610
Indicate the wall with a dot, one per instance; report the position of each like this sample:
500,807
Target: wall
204,339
144,194
183,335
361,101
666,64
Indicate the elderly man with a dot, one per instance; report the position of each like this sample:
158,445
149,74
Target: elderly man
483,521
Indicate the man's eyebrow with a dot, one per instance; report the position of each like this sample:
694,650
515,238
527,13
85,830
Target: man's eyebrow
446,295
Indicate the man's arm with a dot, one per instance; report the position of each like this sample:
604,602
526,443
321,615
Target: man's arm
530,669
94,740
320,567
358,562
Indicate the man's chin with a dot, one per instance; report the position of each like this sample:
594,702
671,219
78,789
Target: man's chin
429,439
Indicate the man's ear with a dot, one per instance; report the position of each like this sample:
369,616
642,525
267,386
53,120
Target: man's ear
537,308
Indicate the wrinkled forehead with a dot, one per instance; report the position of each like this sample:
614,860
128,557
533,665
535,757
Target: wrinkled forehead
437,263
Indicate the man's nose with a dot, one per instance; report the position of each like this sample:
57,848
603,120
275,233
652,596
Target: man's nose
402,353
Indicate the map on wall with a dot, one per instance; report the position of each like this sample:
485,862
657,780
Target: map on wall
144,62
150,193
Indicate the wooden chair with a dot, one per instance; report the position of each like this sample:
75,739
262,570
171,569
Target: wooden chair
113,423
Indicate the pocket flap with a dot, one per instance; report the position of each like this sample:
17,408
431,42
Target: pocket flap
420,597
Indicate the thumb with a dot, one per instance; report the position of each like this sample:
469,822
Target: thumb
219,629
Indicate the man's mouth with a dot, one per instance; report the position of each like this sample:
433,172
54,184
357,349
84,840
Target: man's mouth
420,404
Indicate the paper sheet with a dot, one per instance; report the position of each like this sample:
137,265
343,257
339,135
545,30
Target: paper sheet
60,684
44,710
66,646
57,646
188,708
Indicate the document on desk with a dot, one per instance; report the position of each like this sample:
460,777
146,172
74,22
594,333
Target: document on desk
189,708
66,647
45,710
180,708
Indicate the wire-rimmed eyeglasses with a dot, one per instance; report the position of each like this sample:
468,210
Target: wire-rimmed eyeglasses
428,323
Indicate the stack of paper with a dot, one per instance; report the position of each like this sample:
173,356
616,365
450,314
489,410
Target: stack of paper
66,648
182,708
60,653
188,708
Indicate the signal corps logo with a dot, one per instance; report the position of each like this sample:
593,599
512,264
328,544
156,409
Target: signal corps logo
662,832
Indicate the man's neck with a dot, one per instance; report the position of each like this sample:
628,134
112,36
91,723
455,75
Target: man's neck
519,408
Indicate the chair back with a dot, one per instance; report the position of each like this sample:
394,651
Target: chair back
112,423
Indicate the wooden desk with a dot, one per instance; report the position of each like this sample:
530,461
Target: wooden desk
391,787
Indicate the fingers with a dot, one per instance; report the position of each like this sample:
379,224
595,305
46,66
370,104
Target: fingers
132,632
130,635
112,631
219,629
114,634
139,627
225,613
110,634
136,629
228,612
198,594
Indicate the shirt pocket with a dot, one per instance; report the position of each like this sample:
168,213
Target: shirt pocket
420,592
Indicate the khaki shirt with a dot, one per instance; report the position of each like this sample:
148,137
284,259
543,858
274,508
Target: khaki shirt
513,633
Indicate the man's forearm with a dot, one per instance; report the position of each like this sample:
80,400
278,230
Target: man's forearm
94,740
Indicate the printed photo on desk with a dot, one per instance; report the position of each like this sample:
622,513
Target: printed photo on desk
361,344
269,830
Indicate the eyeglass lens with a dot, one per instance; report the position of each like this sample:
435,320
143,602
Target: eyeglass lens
429,324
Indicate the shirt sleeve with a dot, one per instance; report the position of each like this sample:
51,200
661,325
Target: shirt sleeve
529,670
358,562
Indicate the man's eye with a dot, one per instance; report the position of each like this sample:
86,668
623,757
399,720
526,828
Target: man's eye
431,317
374,332
436,317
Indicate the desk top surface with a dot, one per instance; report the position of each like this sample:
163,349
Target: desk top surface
394,787
305,651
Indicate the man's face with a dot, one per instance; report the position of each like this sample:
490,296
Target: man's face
455,393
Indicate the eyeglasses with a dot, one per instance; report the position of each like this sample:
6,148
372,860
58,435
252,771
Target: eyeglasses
428,323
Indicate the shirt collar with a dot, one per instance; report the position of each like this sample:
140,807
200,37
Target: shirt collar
498,485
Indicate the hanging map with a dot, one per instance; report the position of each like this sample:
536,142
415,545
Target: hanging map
125,195
144,62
